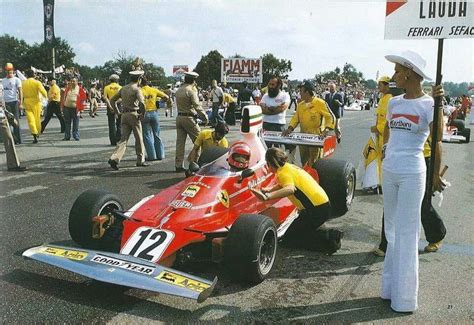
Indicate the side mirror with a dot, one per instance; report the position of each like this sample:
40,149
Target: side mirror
246,173
193,167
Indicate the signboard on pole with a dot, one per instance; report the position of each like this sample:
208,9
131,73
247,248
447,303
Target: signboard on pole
241,69
180,70
48,7
429,19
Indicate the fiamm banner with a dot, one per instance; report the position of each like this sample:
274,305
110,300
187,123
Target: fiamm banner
48,6
241,69
429,19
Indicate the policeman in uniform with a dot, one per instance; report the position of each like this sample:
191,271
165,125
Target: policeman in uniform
189,109
115,132
133,109
13,163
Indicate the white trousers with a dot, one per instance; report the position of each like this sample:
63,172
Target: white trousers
402,196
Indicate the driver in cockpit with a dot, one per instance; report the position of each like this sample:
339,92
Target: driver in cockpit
239,156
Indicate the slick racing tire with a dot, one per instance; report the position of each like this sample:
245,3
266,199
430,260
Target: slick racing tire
338,179
250,248
89,204
211,154
467,134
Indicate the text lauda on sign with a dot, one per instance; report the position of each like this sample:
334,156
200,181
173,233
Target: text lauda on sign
442,9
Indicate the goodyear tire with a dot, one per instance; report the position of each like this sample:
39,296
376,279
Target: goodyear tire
467,134
211,154
338,179
250,248
89,204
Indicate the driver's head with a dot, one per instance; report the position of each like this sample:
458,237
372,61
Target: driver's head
239,156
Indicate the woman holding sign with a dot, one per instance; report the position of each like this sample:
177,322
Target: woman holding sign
409,123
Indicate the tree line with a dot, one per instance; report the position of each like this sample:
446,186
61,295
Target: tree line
39,55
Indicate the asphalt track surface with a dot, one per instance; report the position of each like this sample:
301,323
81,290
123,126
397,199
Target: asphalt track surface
304,286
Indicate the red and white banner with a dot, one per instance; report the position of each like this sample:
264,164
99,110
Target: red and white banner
241,69
180,70
429,19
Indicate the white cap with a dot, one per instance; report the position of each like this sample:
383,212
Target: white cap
192,74
412,61
114,77
137,72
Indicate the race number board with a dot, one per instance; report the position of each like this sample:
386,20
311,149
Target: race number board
303,139
148,243
429,19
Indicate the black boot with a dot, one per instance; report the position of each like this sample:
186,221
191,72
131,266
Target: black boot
35,138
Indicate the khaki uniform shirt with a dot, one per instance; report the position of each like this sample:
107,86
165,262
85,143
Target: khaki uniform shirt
188,102
131,96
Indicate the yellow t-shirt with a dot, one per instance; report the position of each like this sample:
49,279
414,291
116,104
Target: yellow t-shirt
308,192
151,95
206,140
313,117
32,89
111,89
427,147
228,98
54,93
381,112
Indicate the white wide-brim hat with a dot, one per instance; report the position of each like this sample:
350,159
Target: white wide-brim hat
412,61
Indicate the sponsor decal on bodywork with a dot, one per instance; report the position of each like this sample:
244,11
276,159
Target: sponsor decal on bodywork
199,184
139,268
181,204
191,191
223,198
182,281
66,253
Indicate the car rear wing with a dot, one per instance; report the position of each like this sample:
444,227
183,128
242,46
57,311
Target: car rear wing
327,143
123,270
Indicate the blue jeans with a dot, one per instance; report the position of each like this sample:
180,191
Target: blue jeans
70,114
151,136
216,117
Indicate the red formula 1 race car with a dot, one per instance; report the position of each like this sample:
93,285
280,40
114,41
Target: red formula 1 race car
210,215
455,129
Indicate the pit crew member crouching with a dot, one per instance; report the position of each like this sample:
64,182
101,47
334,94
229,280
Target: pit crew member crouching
208,139
309,198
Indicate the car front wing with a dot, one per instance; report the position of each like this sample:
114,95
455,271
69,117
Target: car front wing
123,270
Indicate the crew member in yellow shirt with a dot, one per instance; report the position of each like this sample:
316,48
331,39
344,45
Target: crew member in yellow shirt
32,90
381,120
308,197
115,131
54,106
230,102
314,117
154,147
208,139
